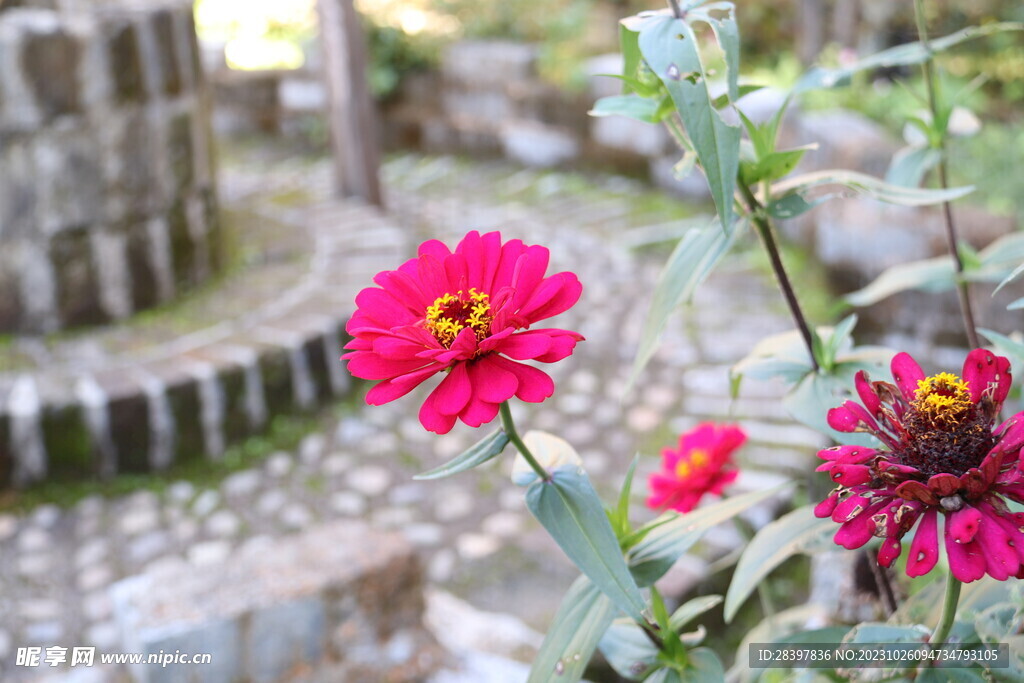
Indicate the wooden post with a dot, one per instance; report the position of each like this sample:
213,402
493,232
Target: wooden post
350,110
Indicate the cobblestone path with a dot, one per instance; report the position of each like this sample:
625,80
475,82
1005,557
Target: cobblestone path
477,538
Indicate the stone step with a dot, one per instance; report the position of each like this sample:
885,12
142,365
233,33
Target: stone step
341,598
188,383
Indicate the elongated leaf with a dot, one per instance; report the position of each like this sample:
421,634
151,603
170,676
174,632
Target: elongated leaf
948,675
670,48
795,532
571,511
930,275
628,650
631,106
1010,278
910,164
692,609
693,259
674,534
581,620
479,453
721,17
900,55
663,675
1003,253
861,183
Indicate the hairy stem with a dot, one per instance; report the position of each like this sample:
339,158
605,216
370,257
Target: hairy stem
962,288
510,430
764,229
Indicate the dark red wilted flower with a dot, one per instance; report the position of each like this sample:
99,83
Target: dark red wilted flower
941,456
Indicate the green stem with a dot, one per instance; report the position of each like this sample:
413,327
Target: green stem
949,604
764,229
962,287
510,430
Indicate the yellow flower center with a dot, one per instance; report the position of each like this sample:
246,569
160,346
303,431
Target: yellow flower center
452,313
694,461
943,398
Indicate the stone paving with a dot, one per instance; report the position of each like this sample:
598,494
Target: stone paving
476,536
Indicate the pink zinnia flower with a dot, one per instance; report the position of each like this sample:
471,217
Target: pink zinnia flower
701,465
467,313
940,457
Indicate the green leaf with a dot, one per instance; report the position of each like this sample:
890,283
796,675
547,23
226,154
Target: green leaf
479,453
629,43
673,534
664,675
792,204
620,520
704,667
839,340
550,452
930,275
632,106
1003,254
670,48
796,532
628,650
581,620
861,183
910,164
693,259
721,17
1010,278
810,400
692,609
569,508
900,55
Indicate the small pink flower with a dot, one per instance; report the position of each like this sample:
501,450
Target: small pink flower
701,465
467,313
942,456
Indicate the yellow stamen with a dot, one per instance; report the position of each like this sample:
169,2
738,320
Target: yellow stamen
943,397
692,462
452,313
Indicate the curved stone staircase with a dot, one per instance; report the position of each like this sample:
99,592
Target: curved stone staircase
191,379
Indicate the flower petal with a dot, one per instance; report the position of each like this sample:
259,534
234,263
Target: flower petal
434,420
924,549
906,373
492,382
1001,560
889,551
534,385
963,524
868,396
987,373
452,394
915,490
966,560
944,484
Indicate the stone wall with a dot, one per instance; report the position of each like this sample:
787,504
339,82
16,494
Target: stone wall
107,202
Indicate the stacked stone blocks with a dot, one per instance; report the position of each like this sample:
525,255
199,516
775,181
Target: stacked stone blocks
107,204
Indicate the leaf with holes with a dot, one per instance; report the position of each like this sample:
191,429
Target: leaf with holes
670,48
